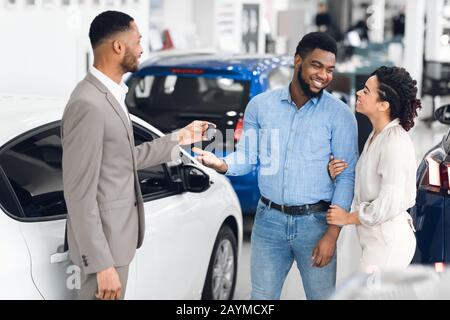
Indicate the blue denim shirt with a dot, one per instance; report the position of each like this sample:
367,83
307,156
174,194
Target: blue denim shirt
293,147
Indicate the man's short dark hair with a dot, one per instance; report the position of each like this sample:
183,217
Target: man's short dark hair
316,40
107,24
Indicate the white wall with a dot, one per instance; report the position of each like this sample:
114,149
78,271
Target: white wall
45,45
204,21
219,24
414,39
277,6
376,21
434,49
178,17
294,22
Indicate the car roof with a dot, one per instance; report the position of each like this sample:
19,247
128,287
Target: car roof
220,62
21,113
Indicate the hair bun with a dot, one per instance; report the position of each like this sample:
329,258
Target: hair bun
400,90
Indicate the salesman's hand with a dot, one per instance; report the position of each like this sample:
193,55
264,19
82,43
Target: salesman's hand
324,251
193,132
210,160
109,286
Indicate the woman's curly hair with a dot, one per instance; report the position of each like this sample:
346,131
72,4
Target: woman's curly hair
396,86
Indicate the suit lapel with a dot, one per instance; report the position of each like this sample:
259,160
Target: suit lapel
113,102
117,108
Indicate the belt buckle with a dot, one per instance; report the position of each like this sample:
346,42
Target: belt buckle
282,208
270,205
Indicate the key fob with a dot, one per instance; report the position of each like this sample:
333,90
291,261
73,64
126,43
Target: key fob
210,132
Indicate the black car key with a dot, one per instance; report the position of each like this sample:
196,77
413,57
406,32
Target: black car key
210,132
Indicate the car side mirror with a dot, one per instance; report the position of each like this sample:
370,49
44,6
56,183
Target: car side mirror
194,179
443,114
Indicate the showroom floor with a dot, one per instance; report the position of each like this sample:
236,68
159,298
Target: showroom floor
348,252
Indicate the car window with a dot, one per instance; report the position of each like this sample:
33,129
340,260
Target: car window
173,101
32,167
155,181
8,200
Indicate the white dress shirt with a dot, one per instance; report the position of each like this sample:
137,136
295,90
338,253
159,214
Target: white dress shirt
119,91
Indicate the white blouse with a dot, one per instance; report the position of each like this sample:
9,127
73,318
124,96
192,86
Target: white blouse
385,182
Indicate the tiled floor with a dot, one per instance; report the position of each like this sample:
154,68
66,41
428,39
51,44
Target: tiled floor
424,138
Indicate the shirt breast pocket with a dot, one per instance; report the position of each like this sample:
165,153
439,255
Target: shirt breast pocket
318,143
269,143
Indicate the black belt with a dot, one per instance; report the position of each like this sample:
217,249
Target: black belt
320,206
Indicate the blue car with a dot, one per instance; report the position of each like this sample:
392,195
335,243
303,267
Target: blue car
172,91
431,214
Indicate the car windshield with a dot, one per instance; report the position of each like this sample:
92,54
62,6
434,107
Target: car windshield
171,102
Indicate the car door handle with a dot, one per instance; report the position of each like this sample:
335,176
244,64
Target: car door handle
59,257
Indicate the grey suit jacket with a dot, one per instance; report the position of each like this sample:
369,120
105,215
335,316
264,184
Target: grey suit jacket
105,221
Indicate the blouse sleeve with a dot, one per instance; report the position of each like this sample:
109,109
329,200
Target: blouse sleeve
354,206
394,197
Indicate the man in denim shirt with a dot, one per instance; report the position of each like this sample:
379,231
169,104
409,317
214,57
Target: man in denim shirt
291,133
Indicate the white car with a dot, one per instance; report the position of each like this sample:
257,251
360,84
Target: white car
193,232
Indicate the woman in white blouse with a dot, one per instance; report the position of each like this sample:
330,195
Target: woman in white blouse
385,183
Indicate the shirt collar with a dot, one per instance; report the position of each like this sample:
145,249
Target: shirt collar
315,100
116,89
391,124
286,96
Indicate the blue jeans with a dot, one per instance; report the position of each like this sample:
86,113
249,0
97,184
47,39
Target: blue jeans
278,239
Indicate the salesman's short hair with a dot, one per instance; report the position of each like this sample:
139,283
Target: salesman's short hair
107,24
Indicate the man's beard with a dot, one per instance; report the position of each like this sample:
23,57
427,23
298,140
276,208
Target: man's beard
305,86
129,62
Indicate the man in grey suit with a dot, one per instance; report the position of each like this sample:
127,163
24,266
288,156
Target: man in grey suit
105,221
